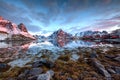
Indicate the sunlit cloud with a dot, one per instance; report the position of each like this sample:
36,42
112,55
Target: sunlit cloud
69,15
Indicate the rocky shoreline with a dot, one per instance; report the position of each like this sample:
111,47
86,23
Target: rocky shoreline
81,63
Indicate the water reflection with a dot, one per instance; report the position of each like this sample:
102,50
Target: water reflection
20,52
60,42
49,44
9,50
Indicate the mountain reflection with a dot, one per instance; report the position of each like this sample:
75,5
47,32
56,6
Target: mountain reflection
8,50
59,42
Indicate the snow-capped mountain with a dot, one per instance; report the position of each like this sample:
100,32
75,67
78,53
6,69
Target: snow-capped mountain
60,38
117,32
91,33
40,37
11,31
60,34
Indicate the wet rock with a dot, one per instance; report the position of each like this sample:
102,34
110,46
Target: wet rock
45,51
117,58
93,55
117,70
37,64
46,63
35,71
110,56
69,79
23,75
32,78
4,67
111,71
62,73
114,57
9,79
75,57
30,74
46,76
100,67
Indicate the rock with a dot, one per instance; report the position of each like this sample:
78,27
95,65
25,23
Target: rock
35,71
22,27
37,64
46,63
110,56
30,74
4,67
114,57
117,70
117,58
11,79
100,67
69,78
46,76
111,71
32,78
93,55
11,31
23,75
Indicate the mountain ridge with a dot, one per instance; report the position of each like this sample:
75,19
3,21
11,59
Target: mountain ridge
8,30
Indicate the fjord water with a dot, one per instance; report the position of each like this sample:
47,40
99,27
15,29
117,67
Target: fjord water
18,53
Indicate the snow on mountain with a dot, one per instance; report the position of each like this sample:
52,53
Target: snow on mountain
8,29
91,33
60,34
15,29
117,32
23,31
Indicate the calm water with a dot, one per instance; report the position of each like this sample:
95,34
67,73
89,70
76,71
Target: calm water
20,53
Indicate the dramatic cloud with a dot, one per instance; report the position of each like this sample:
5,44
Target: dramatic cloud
70,15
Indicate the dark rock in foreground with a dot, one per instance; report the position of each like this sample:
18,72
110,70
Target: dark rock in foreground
46,76
100,68
41,63
4,67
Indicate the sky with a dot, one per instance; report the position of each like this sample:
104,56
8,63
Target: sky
73,16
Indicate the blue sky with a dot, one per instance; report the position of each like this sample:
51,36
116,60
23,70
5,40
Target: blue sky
46,16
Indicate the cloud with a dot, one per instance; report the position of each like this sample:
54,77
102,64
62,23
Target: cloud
116,17
114,20
13,13
33,28
104,24
38,15
101,24
7,7
44,11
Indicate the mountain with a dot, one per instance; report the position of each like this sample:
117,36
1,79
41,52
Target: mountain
22,27
10,31
91,34
40,38
60,34
115,34
60,38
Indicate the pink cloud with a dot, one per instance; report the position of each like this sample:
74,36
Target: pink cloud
103,24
